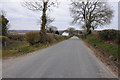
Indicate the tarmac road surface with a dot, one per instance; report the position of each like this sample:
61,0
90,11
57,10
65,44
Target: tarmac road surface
68,59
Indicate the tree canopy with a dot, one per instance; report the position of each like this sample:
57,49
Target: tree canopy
91,14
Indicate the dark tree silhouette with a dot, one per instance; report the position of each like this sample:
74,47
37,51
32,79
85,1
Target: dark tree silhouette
57,32
4,23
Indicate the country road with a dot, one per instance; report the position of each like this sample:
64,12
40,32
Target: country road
68,59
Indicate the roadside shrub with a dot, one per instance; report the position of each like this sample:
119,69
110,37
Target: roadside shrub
18,37
56,37
33,37
61,37
66,37
51,37
118,38
108,35
4,40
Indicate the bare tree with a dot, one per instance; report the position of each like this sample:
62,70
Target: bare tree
43,6
91,14
49,21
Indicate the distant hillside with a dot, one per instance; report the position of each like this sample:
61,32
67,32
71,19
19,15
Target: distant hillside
25,31
20,31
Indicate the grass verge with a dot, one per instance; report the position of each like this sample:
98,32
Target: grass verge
20,48
105,52
108,48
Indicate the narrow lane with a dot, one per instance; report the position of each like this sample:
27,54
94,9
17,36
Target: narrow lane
68,59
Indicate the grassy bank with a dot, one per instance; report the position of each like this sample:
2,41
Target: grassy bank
106,51
109,49
17,48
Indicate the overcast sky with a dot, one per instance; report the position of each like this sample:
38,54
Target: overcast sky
23,19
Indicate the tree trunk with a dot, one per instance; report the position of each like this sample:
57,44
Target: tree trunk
88,26
44,21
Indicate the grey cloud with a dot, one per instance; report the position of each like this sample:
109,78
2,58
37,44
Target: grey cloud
22,18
